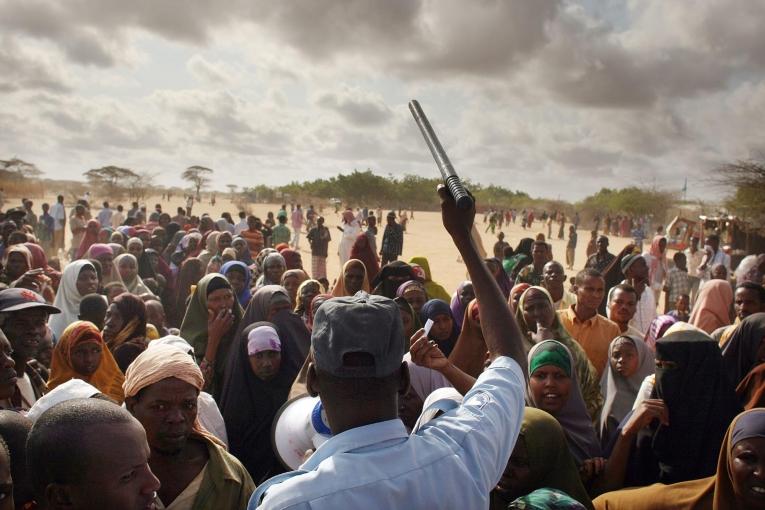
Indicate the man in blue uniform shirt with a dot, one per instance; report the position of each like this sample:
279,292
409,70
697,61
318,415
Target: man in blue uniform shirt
358,371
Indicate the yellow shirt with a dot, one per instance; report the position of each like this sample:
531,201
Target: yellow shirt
594,335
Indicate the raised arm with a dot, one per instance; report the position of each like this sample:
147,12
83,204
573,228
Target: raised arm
500,330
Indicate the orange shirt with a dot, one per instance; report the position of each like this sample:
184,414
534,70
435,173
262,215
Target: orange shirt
594,335
254,241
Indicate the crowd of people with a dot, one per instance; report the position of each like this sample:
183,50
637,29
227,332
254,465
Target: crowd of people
144,365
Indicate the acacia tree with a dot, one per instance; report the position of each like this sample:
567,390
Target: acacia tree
112,179
747,179
198,177
19,169
232,190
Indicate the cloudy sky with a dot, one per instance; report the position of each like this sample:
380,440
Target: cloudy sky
555,98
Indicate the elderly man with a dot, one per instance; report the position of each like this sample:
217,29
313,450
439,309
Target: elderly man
23,317
162,387
371,461
88,453
635,271
593,331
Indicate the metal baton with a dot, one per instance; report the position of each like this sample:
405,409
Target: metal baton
450,177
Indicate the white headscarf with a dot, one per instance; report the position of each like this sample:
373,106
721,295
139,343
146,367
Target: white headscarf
67,297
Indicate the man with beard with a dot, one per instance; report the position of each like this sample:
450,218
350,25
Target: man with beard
23,317
161,390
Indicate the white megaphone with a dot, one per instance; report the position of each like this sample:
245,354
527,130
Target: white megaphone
300,425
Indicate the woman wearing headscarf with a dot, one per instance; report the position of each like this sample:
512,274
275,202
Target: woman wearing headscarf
434,290
515,295
89,238
701,403
351,230
211,248
105,256
657,264
352,279
630,361
316,302
291,280
125,330
272,304
658,329
242,250
257,268
713,307
520,259
362,250
391,276
409,317
415,294
17,260
495,266
135,247
553,388
240,278
192,270
731,486
540,459
746,348
273,269
80,353
536,307
79,278
48,285
292,259
460,300
127,269
256,385
308,290
209,325
444,330
190,244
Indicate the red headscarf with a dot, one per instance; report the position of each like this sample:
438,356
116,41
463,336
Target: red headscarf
91,237
362,251
292,258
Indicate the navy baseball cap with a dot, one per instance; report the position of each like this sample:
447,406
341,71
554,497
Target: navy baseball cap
15,299
362,323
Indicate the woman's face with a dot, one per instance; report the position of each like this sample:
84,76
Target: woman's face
154,261
415,297
291,284
307,293
265,364
467,294
106,260
537,308
219,300
86,357
442,327
408,322
17,265
135,249
274,270
515,481
277,307
224,241
550,388
113,322
87,281
353,277
624,357
747,469
239,245
128,269
236,279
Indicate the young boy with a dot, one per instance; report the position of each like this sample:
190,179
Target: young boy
678,281
682,310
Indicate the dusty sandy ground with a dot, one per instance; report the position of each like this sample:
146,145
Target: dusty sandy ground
425,236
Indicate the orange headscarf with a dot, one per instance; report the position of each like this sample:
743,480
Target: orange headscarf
712,309
339,289
162,362
107,378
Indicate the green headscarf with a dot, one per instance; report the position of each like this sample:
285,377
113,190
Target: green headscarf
434,290
553,354
194,327
589,382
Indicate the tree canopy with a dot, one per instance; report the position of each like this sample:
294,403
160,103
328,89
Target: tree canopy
747,180
198,177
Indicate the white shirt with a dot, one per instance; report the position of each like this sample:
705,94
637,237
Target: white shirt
453,462
105,217
645,312
242,225
59,215
118,219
